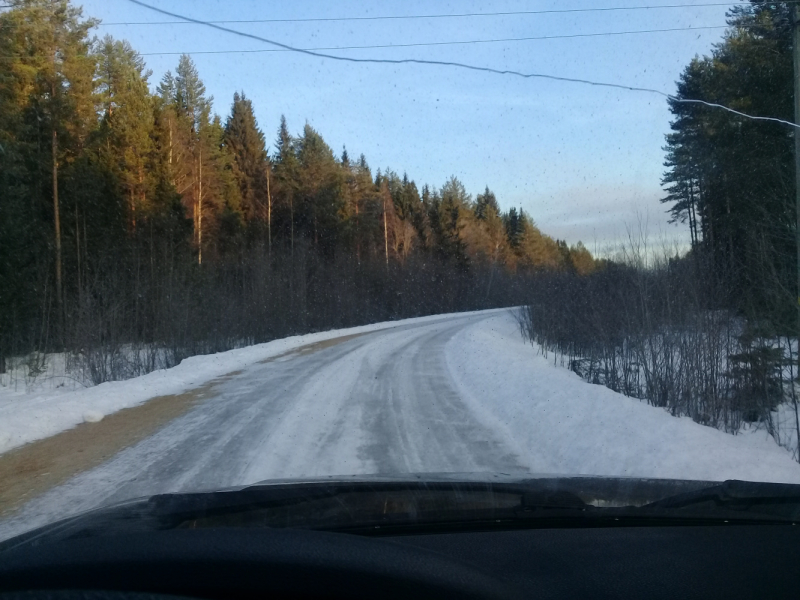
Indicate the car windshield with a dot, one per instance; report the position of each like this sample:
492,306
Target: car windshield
247,242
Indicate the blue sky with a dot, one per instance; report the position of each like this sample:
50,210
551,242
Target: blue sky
584,161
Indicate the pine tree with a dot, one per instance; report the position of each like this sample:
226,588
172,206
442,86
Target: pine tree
486,202
485,234
513,227
190,94
56,71
731,178
451,215
126,129
359,195
222,207
246,143
23,248
188,113
320,183
581,259
286,175
534,249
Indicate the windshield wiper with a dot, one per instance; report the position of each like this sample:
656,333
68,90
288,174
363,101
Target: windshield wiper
769,499
386,507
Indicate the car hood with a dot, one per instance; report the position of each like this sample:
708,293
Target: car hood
419,502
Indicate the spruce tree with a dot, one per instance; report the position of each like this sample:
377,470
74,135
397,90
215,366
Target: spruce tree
246,143
126,129
286,175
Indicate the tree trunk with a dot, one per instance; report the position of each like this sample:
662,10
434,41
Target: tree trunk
291,222
692,216
57,222
385,234
729,227
133,211
169,123
200,209
78,247
269,216
358,236
142,192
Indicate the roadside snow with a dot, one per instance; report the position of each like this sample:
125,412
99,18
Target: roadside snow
25,416
560,424
553,421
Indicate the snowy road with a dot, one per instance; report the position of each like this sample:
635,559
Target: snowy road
454,393
380,402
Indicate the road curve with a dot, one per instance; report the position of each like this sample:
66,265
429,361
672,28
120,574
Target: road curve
382,402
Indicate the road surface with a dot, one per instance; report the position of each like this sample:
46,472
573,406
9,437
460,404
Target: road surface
381,402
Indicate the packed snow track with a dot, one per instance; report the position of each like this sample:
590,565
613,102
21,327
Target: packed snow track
377,402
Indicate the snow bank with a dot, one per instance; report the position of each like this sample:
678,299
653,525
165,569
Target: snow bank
25,416
39,372
558,423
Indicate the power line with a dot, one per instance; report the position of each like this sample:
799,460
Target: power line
461,66
427,44
440,16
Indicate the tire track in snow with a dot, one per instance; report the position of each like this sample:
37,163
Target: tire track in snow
383,402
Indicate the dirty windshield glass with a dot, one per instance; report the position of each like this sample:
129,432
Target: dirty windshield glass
248,242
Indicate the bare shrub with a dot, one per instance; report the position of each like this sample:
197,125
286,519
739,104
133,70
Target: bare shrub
658,329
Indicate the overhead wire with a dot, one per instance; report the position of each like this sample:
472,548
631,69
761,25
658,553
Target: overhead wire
451,43
465,66
420,44
448,15
316,53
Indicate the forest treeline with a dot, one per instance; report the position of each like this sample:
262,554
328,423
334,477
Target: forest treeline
731,180
712,333
135,221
